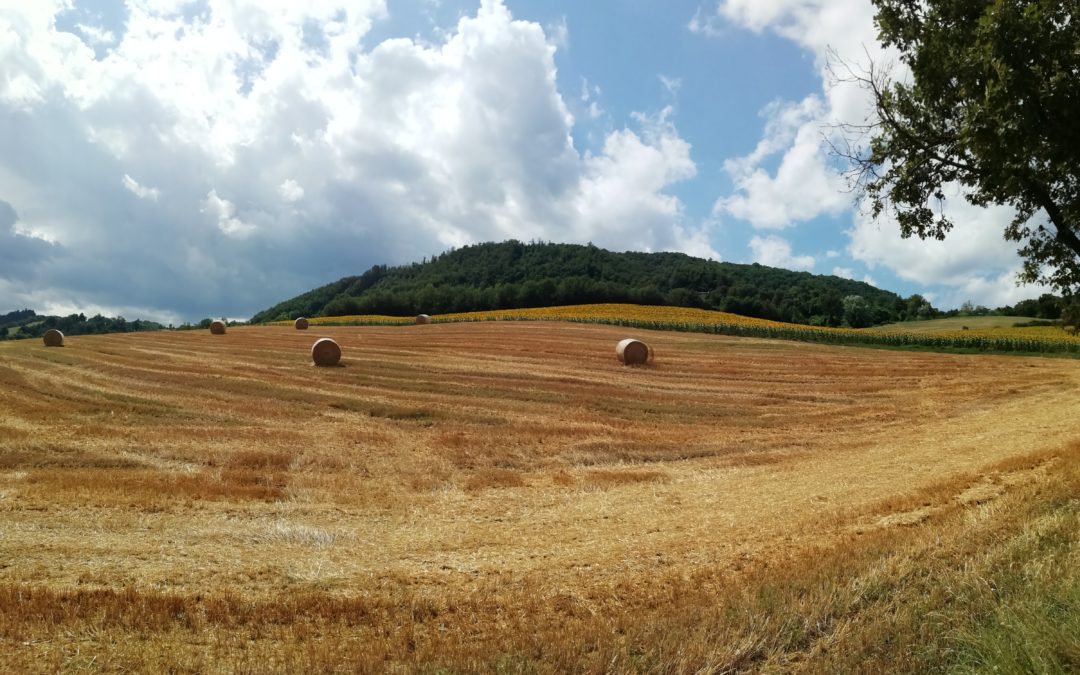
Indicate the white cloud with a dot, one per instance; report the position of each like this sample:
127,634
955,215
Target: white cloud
95,35
845,272
223,211
775,251
975,262
706,23
803,186
624,185
138,190
291,191
589,94
559,33
671,84
384,152
817,25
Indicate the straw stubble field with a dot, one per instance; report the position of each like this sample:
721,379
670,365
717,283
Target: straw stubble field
489,495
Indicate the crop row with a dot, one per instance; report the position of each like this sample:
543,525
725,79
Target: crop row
1034,340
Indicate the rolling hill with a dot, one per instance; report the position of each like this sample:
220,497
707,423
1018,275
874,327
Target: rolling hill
512,275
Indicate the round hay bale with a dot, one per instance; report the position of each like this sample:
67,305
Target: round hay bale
53,338
301,324
633,352
422,319
325,352
217,327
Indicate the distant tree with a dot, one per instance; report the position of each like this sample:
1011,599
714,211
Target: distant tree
832,308
683,297
1049,306
918,308
991,106
1070,315
857,312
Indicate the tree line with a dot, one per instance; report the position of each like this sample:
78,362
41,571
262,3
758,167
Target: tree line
26,323
513,275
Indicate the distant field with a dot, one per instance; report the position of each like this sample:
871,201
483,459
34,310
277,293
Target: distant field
505,497
991,335
957,323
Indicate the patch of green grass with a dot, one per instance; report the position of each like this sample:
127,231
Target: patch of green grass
1026,612
953,323
1002,596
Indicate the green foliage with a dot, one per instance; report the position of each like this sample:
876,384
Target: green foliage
27,324
918,309
1070,315
991,107
857,312
514,275
16,318
1046,306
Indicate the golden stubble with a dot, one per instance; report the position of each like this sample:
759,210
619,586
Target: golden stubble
446,460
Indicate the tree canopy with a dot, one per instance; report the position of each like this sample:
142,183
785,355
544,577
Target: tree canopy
513,274
991,107
26,323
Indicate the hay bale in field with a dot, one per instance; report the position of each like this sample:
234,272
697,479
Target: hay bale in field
633,352
217,327
53,338
422,319
301,324
325,352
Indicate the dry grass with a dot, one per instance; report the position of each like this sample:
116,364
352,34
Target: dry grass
505,497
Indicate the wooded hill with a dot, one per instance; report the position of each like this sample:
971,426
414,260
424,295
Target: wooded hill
513,274
26,323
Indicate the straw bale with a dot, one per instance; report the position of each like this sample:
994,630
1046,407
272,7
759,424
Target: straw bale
633,352
325,352
217,327
301,324
422,319
53,338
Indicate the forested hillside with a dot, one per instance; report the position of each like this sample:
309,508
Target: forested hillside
513,274
26,323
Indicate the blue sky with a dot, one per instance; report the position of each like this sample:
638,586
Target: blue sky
175,159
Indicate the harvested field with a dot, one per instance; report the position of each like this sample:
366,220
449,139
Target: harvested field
483,495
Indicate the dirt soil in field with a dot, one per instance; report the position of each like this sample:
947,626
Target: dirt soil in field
442,457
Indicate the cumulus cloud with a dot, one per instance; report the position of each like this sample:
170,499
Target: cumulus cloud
284,151
973,260
802,187
775,251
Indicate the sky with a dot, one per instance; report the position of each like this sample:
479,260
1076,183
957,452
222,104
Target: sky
178,159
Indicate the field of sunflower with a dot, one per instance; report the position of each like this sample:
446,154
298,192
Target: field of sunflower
1043,339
